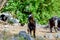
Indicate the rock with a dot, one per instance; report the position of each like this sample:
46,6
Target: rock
25,35
7,14
41,37
58,29
9,17
49,36
14,20
22,32
57,35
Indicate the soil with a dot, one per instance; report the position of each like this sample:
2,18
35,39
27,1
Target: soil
12,29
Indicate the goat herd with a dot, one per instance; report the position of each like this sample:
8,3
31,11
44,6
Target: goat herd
53,22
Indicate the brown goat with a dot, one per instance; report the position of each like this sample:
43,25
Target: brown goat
31,25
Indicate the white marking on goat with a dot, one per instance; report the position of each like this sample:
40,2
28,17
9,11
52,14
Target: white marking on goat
30,15
56,23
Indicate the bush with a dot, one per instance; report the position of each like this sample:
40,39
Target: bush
41,9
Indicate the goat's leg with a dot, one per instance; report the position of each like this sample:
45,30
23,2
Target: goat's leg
30,31
50,29
55,28
34,33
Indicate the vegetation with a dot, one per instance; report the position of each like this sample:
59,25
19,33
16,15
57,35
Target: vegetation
42,10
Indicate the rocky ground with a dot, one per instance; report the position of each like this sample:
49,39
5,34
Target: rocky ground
13,29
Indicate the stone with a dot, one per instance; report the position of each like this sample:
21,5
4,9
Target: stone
49,36
57,35
10,18
13,20
25,35
58,29
41,37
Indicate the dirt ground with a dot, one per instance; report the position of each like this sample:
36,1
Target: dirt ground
15,29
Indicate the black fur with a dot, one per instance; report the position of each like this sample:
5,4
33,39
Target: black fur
31,25
3,17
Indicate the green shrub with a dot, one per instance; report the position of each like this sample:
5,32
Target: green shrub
41,9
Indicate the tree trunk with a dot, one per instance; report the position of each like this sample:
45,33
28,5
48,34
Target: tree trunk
2,3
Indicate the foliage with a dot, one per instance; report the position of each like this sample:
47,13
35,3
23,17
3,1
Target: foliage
41,9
